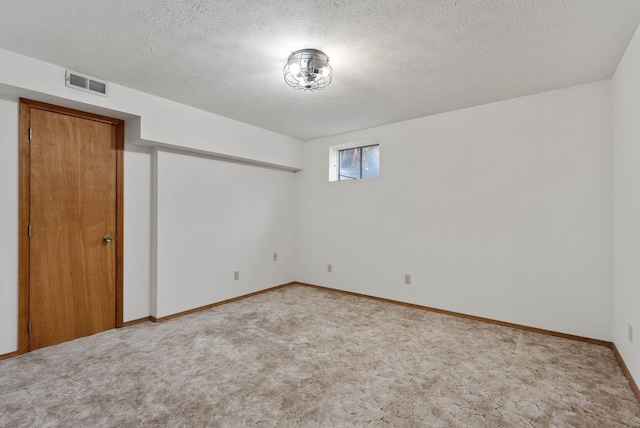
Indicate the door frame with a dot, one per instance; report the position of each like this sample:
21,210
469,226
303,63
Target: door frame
25,107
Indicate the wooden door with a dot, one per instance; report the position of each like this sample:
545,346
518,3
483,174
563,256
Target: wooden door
73,197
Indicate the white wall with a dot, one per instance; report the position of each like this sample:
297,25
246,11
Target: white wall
137,232
8,225
626,184
500,211
213,218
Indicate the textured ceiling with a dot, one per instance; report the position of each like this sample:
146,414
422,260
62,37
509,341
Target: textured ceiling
392,60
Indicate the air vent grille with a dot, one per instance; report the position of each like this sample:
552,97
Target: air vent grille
86,83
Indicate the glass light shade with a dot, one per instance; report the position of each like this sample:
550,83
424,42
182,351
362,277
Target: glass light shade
308,69
295,68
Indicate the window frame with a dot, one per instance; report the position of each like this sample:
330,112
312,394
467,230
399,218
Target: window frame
361,148
334,158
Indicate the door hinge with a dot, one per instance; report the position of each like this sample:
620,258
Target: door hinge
29,231
29,327
30,134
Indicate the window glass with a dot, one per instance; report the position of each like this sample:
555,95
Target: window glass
350,164
359,162
370,161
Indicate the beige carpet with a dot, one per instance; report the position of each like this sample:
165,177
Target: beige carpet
304,357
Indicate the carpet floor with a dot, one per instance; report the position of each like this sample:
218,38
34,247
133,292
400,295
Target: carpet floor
299,356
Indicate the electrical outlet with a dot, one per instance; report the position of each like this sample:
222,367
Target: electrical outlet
630,333
236,275
275,256
407,279
329,268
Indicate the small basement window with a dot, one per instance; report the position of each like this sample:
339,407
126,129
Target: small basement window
354,161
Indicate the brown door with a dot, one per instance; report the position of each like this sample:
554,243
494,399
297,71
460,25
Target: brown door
72,217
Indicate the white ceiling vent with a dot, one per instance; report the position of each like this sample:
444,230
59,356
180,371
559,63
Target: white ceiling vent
86,83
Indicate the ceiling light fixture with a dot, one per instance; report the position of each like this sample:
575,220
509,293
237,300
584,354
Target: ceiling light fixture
308,69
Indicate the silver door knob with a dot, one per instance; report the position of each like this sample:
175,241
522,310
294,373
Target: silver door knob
107,239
